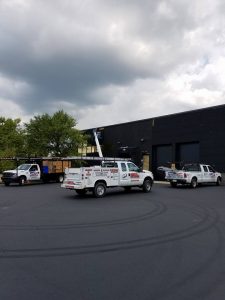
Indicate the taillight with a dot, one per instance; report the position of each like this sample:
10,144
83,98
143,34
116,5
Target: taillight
185,175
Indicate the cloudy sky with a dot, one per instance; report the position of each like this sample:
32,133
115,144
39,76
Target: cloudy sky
110,61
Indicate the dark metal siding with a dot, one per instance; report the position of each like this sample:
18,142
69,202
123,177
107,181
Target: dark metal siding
133,138
206,127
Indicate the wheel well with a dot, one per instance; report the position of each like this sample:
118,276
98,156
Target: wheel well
194,178
148,178
101,181
219,178
23,176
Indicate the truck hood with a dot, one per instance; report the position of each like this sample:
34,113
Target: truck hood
146,171
10,171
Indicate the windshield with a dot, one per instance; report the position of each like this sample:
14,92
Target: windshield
24,167
133,167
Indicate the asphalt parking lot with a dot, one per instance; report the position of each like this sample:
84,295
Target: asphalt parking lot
167,244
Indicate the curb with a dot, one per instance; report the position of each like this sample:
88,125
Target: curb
162,182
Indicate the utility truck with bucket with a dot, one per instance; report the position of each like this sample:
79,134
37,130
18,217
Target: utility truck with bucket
109,173
112,172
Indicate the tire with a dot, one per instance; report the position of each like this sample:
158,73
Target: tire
147,185
7,183
218,181
173,184
22,180
194,182
99,190
81,192
60,178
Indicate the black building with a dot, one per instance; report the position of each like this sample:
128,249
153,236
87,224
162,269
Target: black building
193,136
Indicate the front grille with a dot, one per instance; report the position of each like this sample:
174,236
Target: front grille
7,175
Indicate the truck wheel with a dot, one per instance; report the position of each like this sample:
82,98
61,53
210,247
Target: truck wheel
173,184
147,185
22,180
194,182
81,192
218,181
99,190
60,178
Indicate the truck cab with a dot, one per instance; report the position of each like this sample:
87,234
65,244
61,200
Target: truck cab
23,173
129,173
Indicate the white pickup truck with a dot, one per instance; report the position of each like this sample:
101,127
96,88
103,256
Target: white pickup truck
110,174
193,174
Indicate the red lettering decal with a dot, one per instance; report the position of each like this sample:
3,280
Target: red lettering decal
114,170
134,175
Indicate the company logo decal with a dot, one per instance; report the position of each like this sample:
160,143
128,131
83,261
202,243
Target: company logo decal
34,173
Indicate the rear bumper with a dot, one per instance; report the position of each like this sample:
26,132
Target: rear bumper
181,181
72,186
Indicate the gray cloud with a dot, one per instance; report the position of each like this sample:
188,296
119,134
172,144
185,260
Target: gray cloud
90,55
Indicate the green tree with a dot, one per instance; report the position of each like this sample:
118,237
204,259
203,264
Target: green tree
12,140
54,135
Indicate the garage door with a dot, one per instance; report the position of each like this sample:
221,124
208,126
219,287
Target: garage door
161,155
188,152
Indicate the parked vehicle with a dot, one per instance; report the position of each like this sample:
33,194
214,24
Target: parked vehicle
193,175
44,169
109,174
161,172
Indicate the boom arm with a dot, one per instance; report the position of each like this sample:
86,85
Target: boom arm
97,143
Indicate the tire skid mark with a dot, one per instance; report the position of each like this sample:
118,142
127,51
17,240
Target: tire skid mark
208,219
191,276
159,208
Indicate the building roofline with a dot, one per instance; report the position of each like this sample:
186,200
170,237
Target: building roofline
163,116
